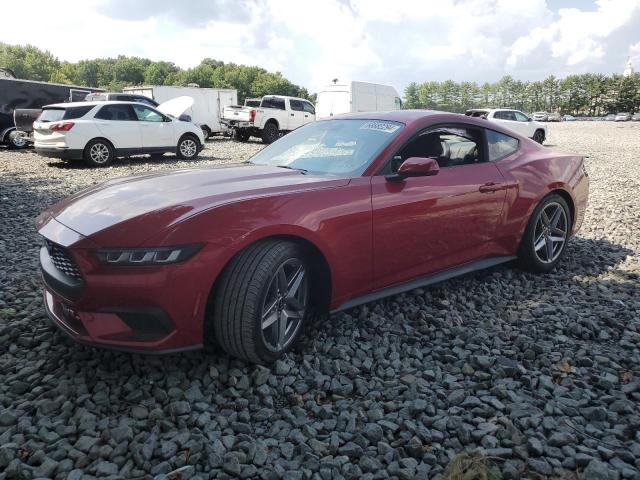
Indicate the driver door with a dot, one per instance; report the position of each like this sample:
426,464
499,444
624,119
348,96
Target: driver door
422,225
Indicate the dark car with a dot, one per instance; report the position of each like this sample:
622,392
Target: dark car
337,213
121,97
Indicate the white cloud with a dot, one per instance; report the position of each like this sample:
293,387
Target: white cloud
576,36
375,40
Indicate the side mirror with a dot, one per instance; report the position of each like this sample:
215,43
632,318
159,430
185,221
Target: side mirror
416,167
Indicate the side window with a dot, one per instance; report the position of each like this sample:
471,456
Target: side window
296,105
273,102
451,146
76,112
500,115
146,114
308,108
521,117
116,112
500,145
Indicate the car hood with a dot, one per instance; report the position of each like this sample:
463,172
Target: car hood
148,203
176,106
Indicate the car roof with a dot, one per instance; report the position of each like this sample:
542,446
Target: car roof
409,117
90,104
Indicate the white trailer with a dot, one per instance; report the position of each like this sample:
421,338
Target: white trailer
208,103
354,96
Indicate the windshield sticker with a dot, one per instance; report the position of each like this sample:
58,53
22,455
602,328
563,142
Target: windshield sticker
386,127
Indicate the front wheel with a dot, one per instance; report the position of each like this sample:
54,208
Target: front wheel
538,136
16,140
187,148
262,301
546,235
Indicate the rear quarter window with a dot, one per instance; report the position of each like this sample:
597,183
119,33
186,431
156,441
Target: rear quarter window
500,145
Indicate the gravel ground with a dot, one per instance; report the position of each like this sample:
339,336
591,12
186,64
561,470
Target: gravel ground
538,373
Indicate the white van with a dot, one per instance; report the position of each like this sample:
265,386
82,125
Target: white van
208,103
352,96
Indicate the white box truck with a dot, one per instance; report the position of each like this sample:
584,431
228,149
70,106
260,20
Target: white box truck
208,103
354,96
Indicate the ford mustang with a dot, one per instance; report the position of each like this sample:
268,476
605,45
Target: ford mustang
335,214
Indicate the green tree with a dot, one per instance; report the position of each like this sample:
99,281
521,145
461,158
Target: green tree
28,61
412,96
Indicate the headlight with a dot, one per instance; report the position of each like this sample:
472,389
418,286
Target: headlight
148,255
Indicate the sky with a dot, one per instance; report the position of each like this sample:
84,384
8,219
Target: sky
312,42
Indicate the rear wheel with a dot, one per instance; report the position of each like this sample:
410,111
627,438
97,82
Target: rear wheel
98,153
187,148
262,301
240,135
270,132
538,136
546,236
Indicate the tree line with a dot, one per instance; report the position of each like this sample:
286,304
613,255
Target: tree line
587,94
112,74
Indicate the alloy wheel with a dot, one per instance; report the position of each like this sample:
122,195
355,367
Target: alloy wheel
188,148
17,140
99,153
284,306
550,235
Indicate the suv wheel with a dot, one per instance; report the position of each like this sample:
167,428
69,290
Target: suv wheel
187,147
270,132
538,136
98,153
262,301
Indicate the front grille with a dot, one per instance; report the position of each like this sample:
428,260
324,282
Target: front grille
63,260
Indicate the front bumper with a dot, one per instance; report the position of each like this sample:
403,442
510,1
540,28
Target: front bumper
152,310
57,152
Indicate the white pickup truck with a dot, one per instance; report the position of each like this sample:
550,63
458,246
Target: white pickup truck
275,116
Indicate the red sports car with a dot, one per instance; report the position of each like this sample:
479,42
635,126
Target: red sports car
337,213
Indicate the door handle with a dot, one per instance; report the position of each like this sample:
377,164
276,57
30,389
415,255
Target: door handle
491,187
292,115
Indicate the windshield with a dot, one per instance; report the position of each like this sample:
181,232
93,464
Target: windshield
342,147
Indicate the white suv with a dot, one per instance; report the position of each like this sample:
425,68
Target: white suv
98,132
513,119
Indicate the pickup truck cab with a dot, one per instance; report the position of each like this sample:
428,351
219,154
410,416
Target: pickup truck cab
276,115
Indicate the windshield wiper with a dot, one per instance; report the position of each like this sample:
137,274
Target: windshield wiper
301,170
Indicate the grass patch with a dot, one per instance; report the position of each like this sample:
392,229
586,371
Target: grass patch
470,466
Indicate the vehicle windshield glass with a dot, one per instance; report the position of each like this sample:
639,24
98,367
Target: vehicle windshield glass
342,147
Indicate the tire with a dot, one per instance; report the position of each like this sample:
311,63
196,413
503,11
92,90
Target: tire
187,148
240,136
270,133
98,153
541,248
206,131
538,136
248,290
15,141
